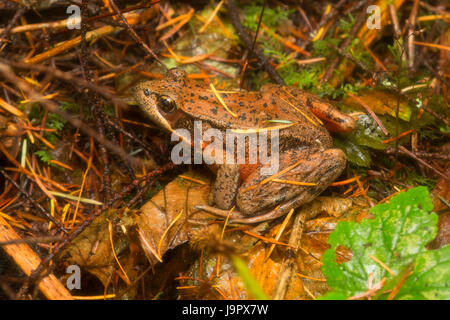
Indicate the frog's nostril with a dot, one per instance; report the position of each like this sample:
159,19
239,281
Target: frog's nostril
147,92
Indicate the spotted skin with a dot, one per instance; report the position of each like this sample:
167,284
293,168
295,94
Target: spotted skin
307,143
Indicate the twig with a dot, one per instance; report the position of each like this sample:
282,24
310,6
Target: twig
287,266
27,260
52,107
34,202
113,123
415,157
327,16
397,30
370,292
305,17
67,77
93,97
438,156
139,6
233,11
359,22
436,74
249,57
436,115
135,35
352,59
32,240
19,13
60,246
410,35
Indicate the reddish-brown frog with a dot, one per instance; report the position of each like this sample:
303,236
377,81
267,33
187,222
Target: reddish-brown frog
305,146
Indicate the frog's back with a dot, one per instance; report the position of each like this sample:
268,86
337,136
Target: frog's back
256,109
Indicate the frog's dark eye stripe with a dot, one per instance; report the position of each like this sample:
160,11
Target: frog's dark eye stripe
167,104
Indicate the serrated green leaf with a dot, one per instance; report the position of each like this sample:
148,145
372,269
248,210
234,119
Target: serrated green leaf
430,278
397,237
333,296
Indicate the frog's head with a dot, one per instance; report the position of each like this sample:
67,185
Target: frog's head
162,99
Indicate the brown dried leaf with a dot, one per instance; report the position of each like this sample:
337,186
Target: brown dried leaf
267,271
381,102
92,251
158,214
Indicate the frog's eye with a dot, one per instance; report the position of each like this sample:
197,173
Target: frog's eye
147,92
167,104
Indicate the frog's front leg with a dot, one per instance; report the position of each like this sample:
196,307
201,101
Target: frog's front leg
226,186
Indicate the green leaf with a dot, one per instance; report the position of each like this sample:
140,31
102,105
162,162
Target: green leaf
345,25
44,156
333,296
355,153
272,16
430,278
55,121
397,237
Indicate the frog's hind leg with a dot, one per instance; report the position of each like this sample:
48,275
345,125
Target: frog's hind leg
334,120
307,174
258,202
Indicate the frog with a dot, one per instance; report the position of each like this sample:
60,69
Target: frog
308,163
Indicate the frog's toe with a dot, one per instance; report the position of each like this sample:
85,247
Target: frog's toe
219,212
236,217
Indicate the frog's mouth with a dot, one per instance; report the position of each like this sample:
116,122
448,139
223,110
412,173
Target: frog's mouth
149,104
156,117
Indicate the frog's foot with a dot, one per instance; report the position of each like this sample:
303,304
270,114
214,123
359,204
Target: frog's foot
237,217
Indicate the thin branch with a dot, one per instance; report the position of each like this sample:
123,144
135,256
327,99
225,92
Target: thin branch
233,11
37,273
135,35
421,161
411,31
19,13
34,202
53,107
